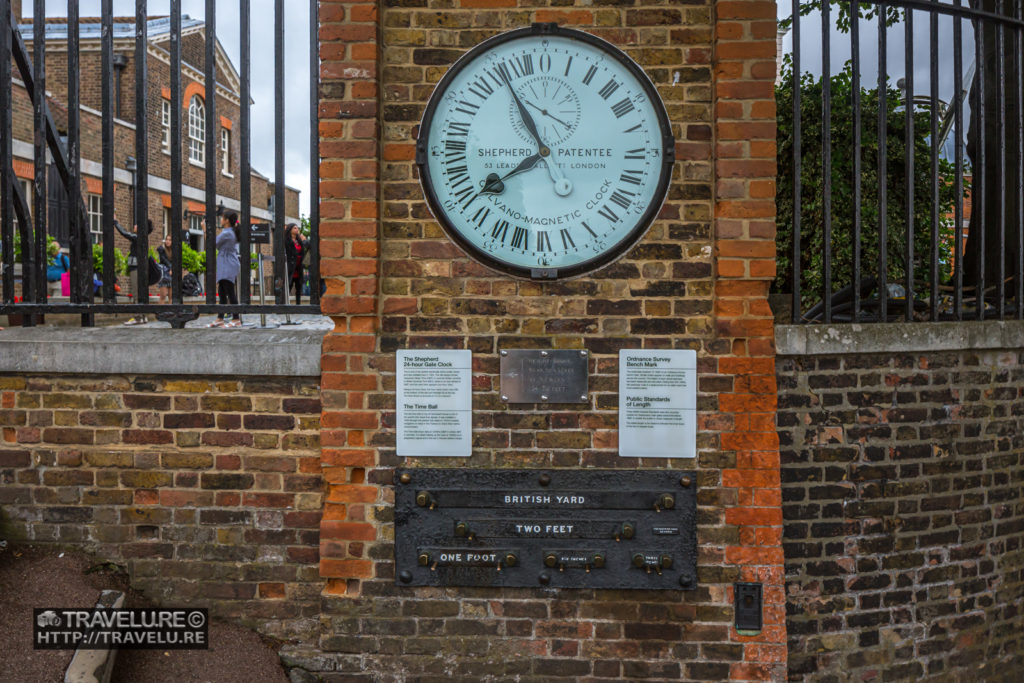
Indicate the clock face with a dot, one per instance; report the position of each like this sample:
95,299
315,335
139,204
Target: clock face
545,152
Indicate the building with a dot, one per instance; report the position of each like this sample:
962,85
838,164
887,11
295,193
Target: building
199,146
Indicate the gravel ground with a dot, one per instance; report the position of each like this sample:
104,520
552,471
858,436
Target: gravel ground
45,577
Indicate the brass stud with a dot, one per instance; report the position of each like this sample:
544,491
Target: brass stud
423,499
511,559
686,481
424,559
461,529
639,560
628,531
405,478
550,560
598,561
666,561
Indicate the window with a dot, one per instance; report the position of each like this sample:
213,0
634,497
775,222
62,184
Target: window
225,151
165,121
167,222
94,207
196,237
197,131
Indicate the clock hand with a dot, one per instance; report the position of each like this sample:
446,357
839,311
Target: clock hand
545,113
495,185
524,114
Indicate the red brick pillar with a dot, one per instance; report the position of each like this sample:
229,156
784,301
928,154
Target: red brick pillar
349,250
745,33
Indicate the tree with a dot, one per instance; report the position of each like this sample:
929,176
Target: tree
812,239
988,146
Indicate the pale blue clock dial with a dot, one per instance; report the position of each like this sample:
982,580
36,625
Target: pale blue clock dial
545,153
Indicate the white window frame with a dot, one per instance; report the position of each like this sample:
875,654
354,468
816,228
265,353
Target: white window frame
197,131
225,152
94,209
195,223
165,122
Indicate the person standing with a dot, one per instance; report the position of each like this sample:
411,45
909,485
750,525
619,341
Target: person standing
163,253
228,267
154,275
295,249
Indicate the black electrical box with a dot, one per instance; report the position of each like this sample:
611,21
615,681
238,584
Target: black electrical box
749,606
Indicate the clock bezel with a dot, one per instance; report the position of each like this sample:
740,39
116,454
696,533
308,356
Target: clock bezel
612,253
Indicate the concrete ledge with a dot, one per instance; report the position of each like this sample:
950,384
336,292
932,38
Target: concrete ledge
120,351
814,340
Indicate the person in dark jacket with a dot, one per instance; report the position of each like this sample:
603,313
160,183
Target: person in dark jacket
228,267
163,253
132,263
295,249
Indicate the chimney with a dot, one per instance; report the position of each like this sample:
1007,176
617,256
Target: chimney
16,11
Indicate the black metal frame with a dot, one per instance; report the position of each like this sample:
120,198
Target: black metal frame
613,252
67,157
1007,31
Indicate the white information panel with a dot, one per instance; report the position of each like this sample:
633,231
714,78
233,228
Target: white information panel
657,403
435,403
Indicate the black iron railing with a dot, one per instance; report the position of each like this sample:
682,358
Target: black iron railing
28,297
902,201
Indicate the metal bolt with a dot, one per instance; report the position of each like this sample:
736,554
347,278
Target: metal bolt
424,559
583,397
666,562
423,499
544,578
583,352
544,479
667,501
543,397
461,529
686,481
685,579
598,561
639,560
543,353
504,353
550,560
504,398
405,576
628,530
405,478
511,559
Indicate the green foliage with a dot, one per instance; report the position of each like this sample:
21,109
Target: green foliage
120,260
51,247
192,260
893,15
304,226
812,187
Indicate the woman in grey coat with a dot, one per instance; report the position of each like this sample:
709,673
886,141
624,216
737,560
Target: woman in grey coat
228,266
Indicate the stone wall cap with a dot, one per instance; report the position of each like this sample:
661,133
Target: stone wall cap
818,340
161,351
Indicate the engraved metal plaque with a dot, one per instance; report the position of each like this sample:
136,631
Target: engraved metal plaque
556,528
543,376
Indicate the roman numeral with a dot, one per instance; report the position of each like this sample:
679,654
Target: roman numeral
632,177
543,242
622,107
481,215
634,128
587,227
568,65
525,64
458,128
457,175
503,73
481,88
590,75
567,242
610,87
465,192
467,108
500,230
518,237
454,146
608,213
637,154
619,197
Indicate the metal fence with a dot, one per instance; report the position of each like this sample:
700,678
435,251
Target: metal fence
62,149
909,203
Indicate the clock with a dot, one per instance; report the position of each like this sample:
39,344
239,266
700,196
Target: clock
545,152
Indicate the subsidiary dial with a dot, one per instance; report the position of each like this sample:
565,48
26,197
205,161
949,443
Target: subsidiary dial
554,105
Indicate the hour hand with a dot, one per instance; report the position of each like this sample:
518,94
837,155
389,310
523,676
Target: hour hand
496,185
524,114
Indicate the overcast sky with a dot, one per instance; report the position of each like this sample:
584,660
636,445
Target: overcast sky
811,52
297,114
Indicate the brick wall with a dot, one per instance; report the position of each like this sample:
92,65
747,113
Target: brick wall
903,482
208,489
697,280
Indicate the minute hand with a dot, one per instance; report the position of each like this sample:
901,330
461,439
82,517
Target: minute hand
524,114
